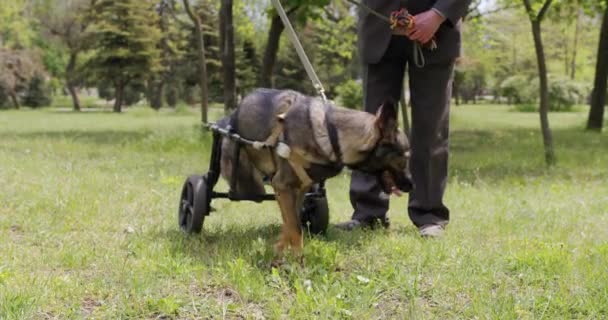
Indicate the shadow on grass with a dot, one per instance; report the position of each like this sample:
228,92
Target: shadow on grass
101,137
255,244
91,110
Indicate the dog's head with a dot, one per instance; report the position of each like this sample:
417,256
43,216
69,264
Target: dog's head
389,157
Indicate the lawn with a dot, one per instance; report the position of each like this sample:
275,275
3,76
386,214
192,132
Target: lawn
88,229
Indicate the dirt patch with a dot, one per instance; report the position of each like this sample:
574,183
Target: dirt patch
89,305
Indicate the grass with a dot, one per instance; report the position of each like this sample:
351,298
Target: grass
88,229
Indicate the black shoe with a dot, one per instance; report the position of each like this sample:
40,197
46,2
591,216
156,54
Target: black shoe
363,224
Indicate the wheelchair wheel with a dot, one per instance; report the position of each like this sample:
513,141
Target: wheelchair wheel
194,204
314,215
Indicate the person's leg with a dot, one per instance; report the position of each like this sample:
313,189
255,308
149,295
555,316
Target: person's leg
430,89
382,81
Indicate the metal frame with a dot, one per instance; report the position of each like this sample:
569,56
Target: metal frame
318,190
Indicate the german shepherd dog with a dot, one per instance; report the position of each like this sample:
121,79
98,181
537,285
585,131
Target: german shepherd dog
317,140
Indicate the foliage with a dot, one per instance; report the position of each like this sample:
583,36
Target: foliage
565,93
469,80
526,107
53,57
183,78
248,67
333,47
496,47
519,89
350,94
133,92
291,74
502,45
16,28
17,69
105,91
306,9
4,98
38,93
126,40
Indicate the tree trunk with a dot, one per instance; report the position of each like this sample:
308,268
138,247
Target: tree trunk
69,79
14,99
156,85
119,90
577,31
156,92
544,93
598,97
564,44
228,59
202,61
74,94
270,54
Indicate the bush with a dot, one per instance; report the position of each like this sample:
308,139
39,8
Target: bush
4,99
523,92
526,107
132,94
469,81
37,94
183,108
350,94
171,95
519,89
105,91
565,93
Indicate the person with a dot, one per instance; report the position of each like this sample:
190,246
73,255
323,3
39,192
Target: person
386,54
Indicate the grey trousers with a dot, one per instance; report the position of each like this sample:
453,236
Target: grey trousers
430,89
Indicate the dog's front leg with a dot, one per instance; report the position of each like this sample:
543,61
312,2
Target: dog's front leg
291,233
289,192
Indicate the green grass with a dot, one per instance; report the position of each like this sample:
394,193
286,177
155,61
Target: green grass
88,229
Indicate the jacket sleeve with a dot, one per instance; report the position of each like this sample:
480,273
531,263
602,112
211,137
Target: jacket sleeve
452,10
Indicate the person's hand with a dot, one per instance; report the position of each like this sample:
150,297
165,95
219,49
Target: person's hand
425,26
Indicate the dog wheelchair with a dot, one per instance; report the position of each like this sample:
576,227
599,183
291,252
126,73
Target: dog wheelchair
198,190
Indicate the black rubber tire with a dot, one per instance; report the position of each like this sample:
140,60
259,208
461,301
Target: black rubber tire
194,204
314,215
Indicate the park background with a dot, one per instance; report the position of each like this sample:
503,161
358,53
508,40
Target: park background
101,105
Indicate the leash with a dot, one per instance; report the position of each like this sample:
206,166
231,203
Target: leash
300,50
400,18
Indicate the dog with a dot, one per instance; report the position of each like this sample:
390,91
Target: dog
310,140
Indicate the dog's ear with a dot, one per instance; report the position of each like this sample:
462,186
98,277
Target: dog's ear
386,119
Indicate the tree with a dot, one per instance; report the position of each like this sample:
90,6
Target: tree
272,48
334,46
536,19
228,57
17,69
15,26
125,34
247,44
598,97
156,85
247,68
202,63
66,22
37,94
301,10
